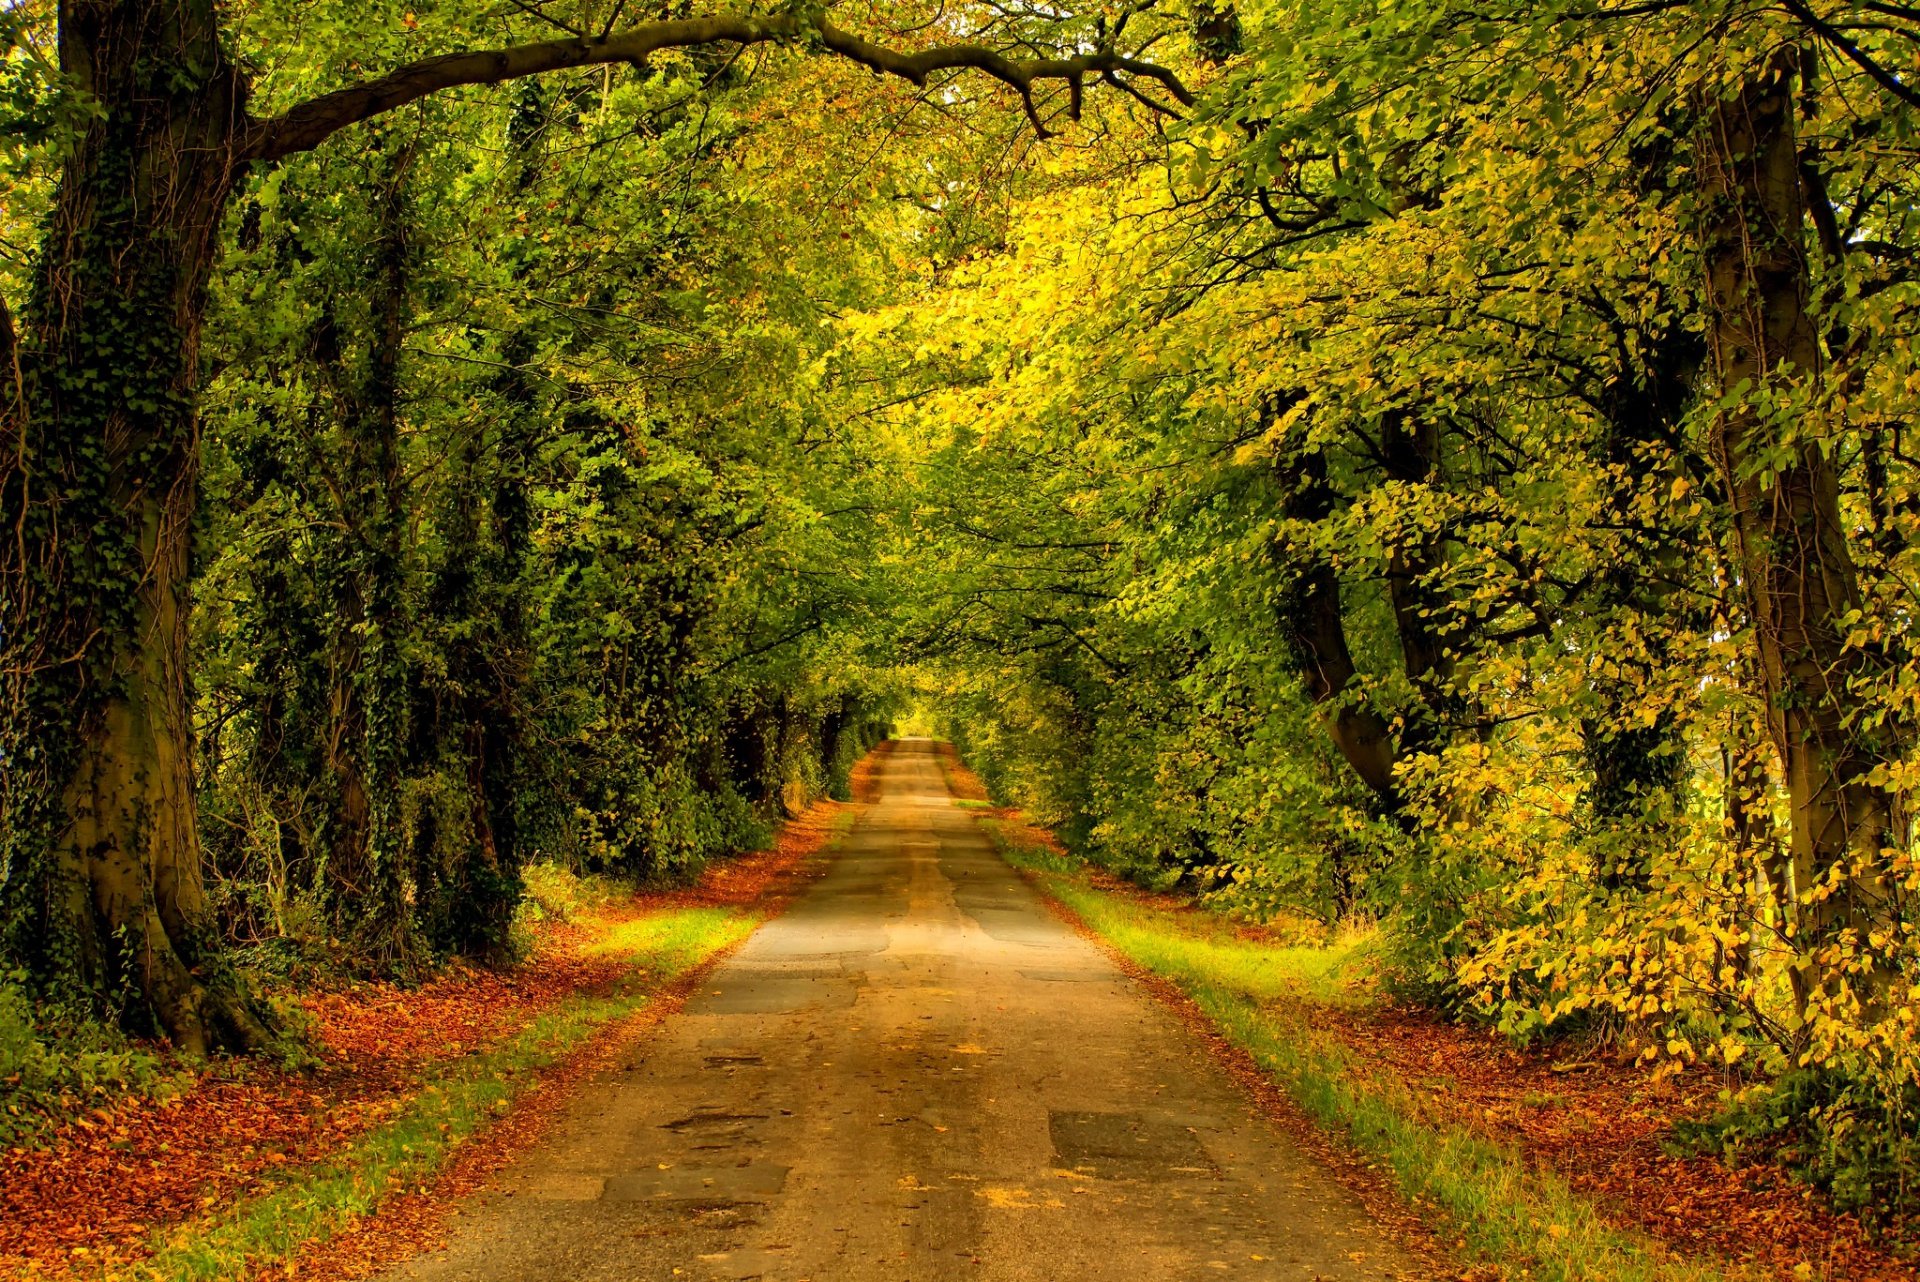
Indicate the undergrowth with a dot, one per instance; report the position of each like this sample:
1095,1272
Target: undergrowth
53,1065
1852,1139
554,892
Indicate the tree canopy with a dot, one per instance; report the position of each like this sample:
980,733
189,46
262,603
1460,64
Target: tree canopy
1441,464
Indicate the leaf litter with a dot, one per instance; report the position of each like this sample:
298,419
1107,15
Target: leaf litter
90,1200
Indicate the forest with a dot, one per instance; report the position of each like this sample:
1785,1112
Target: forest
1409,467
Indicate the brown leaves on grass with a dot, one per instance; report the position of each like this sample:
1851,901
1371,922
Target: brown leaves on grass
416,1219
759,878
90,1198
961,782
1602,1124
865,780
382,1034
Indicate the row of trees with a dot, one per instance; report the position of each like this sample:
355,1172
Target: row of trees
387,508
503,567
1463,479
1435,462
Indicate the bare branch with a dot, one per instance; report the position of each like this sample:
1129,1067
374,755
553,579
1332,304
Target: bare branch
1160,107
311,123
535,11
1854,53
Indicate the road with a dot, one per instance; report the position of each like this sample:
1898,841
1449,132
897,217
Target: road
916,1074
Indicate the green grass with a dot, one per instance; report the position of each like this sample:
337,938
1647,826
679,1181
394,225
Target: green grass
1483,1197
457,1100
672,942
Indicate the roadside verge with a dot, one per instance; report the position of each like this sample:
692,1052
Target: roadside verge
1551,1166
338,1168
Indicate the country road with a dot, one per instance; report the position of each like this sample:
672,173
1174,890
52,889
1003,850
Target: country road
916,1074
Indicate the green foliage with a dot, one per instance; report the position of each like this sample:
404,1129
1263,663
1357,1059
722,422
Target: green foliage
1372,498
1433,479
1848,1134
555,892
54,1063
513,559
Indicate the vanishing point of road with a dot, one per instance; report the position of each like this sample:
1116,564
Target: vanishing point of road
916,1074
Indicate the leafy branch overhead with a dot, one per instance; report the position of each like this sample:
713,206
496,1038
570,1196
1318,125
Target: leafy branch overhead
305,126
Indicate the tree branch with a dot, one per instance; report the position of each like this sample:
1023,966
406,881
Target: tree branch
1854,53
811,625
308,125
991,537
7,359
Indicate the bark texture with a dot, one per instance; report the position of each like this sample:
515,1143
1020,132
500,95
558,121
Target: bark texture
100,822
1784,492
1314,623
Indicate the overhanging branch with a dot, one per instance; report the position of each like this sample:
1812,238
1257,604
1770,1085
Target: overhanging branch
308,125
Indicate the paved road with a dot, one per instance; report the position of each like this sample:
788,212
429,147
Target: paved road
916,1074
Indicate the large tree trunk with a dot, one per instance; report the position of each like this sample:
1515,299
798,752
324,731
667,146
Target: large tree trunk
1797,569
469,900
369,705
101,844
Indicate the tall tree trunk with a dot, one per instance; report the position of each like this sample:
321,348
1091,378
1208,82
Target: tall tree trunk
1792,549
1312,619
367,745
101,844
478,587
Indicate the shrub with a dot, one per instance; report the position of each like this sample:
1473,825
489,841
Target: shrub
1852,1134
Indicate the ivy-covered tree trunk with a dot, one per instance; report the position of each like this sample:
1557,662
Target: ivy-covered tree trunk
477,586
1792,544
103,883
366,748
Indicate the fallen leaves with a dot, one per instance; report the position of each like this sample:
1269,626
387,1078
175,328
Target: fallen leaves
864,782
1603,1125
110,1183
961,781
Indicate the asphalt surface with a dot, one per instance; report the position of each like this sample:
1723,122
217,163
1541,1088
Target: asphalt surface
916,1074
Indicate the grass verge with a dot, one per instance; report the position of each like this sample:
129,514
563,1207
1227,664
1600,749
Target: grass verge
455,1101
1492,1205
